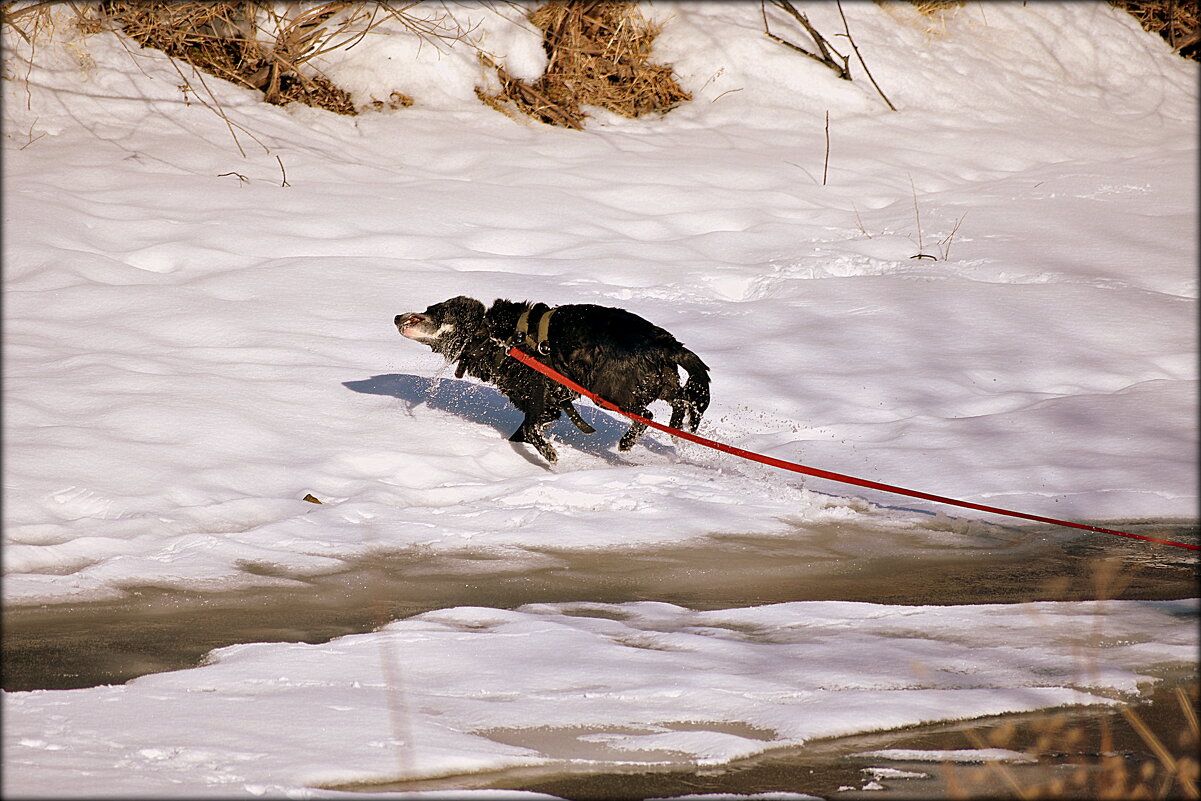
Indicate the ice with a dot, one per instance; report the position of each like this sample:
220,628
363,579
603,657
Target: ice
957,755
474,689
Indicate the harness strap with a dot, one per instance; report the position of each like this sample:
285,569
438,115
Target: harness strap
541,345
523,324
544,332
521,336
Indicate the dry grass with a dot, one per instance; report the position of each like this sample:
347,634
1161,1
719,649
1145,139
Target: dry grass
251,44
599,55
1113,758
1146,752
932,7
266,46
1177,21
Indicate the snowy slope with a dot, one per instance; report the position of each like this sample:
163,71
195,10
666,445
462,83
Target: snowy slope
188,354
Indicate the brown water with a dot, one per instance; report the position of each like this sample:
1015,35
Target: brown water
153,630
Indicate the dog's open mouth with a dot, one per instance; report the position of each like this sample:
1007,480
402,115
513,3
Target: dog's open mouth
406,323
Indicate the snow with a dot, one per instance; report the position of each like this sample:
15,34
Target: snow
191,347
956,755
473,689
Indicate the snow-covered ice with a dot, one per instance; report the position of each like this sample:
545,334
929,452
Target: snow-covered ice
190,347
474,689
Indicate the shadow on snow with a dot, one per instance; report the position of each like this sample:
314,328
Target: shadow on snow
479,403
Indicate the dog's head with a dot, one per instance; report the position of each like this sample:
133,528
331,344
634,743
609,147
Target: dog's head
447,327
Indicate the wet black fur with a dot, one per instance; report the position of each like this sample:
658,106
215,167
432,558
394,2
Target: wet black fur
614,353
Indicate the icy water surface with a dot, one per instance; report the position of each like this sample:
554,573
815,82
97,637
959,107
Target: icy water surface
67,646
1067,745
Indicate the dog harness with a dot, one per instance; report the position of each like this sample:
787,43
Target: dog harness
521,336
541,345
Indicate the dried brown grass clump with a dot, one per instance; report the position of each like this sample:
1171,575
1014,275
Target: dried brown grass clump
599,56
932,7
1177,21
252,44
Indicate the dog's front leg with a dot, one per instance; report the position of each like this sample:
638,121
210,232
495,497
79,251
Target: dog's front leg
531,431
537,417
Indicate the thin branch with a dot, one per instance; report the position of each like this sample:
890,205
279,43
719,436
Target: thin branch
802,169
918,216
946,243
723,94
822,45
860,221
826,162
858,55
30,138
841,70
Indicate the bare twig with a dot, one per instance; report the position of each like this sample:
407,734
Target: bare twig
859,221
916,214
826,162
859,55
30,138
802,169
41,16
918,217
945,244
842,70
282,170
11,16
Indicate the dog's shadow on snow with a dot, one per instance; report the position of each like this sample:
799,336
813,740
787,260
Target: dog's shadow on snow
482,404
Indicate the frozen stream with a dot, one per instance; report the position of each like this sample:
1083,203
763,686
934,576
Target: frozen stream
84,645
61,646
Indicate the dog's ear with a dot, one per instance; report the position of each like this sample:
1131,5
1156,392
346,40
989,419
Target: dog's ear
501,317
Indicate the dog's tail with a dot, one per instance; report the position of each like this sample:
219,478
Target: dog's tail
694,395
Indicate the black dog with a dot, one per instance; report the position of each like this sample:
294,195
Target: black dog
612,352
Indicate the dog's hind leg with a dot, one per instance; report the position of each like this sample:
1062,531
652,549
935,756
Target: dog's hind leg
682,407
677,413
574,417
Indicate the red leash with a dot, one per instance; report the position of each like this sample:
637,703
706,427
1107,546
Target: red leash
530,361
